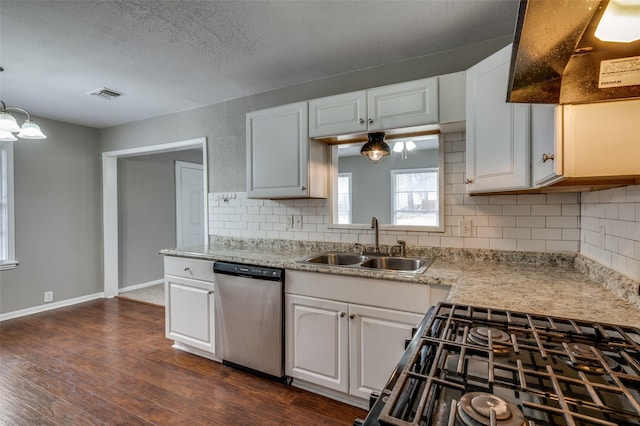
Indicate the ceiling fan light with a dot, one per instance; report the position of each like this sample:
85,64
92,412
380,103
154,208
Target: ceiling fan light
410,145
8,123
30,130
6,136
398,147
376,148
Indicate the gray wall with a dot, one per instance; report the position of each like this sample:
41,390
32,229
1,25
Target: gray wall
147,213
224,123
371,183
57,217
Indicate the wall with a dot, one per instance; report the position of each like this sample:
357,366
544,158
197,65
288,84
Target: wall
618,212
57,218
537,222
147,213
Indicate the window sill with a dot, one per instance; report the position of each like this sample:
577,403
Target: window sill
9,264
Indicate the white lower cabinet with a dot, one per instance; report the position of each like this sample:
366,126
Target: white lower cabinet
342,346
189,303
317,341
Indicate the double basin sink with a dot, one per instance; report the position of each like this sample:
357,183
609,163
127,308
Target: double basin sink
369,261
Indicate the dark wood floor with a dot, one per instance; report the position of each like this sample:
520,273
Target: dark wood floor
107,362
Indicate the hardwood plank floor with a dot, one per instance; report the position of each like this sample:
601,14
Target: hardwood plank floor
108,362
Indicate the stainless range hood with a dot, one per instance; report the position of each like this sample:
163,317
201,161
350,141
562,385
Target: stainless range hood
558,59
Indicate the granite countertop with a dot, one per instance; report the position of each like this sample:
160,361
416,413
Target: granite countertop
536,288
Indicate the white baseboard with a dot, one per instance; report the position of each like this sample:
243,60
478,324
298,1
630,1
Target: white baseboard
195,351
50,306
331,394
139,286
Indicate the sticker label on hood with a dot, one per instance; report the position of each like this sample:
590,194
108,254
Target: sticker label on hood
619,72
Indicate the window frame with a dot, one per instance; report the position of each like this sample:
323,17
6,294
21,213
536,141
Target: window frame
350,176
394,192
7,185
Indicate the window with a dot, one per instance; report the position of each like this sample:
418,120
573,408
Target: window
344,197
415,197
6,206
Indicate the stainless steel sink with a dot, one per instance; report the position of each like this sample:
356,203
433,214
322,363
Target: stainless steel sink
370,261
401,264
337,259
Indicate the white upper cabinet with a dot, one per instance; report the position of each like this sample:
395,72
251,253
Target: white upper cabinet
409,104
544,144
497,131
452,95
281,160
338,115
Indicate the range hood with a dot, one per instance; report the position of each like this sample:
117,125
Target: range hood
557,59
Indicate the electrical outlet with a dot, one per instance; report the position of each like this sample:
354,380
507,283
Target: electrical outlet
289,221
464,227
297,222
48,296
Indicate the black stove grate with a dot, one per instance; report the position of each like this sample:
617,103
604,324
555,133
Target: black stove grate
557,371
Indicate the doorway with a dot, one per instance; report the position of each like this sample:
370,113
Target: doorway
110,202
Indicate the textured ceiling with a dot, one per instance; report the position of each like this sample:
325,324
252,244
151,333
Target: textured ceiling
169,56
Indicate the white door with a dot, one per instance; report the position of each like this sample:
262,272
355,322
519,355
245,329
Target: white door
377,342
317,341
497,131
189,205
189,311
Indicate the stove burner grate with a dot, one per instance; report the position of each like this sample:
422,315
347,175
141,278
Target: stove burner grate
583,357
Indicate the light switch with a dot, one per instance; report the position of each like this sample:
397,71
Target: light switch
464,226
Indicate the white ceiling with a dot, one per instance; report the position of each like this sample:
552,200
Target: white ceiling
169,56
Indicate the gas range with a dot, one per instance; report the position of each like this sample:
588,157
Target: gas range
470,365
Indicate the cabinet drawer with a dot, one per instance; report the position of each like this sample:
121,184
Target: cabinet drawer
189,268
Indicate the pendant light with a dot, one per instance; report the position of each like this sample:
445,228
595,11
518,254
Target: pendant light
9,125
376,148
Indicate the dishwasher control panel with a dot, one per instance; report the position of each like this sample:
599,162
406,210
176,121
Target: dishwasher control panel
251,271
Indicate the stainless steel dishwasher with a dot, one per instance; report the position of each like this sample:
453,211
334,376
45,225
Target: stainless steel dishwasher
249,317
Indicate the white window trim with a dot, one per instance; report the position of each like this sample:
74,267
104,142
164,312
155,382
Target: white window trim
10,263
349,175
394,207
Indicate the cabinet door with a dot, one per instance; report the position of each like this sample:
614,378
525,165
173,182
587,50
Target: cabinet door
278,152
407,104
317,341
497,131
544,145
189,314
338,115
377,342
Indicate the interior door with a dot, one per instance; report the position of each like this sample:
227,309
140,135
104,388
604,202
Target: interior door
189,205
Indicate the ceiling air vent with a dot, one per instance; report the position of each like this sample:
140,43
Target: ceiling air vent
105,93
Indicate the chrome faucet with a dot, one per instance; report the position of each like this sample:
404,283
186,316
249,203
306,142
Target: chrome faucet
374,225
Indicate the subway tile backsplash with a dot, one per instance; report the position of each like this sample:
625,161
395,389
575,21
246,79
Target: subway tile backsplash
610,230
531,222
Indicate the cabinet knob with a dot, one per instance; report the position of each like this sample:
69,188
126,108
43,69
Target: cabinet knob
211,292
303,188
186,268
361,120
342,314
370,121
352,316
547,157
468,181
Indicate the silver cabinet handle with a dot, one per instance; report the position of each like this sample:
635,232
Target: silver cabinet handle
370,121
186,268
546,157
468,181
342,314
361,120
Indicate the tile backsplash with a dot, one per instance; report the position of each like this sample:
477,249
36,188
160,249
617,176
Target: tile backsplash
532,222
610,229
